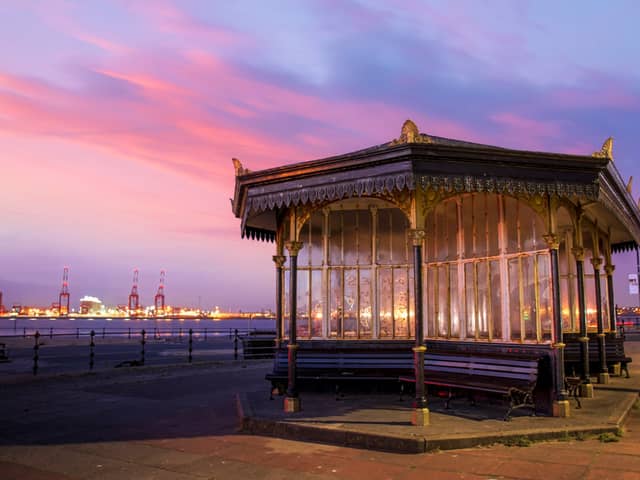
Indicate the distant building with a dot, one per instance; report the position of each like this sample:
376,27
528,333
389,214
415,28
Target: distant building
91,305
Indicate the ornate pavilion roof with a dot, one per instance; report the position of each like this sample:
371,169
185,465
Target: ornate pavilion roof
417,160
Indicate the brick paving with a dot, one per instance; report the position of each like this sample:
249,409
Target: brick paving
182,424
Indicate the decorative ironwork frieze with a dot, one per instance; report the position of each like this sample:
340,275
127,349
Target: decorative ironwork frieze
507,185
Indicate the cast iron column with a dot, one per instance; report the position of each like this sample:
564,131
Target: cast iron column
292,400
420,415
561,404
279,261
603,375
612,306
586,389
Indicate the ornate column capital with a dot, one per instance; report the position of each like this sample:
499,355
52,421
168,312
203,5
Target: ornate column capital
609,269
417,236
596,262
578,253
553,242
279,260
293,247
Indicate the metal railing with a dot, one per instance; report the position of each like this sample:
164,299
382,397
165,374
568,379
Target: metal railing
182,342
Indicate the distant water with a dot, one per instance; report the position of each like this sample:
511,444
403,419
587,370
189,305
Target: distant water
114,326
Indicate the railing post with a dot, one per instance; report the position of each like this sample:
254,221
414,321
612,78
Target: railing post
235,346
51,332
91,347
292,399
190,343
36,346
129,333
205,333
77,333
180,333
103,332
142,342
24,332
420,414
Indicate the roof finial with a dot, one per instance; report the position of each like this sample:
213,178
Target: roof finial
606,151
410,134
238,166
629,184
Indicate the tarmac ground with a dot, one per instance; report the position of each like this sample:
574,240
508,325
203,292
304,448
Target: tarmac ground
185,422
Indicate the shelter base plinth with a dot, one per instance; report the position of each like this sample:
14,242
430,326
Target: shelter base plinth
603,378
292,404
561,408
420,417
586,390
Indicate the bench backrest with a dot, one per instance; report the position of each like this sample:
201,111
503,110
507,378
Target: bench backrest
401,363
495,367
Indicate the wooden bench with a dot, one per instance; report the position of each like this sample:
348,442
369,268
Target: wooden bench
614,349
514,378
258,344
338,367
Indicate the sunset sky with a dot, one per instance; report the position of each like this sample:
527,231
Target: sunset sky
119,119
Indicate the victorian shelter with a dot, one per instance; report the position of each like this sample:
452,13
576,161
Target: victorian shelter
429,245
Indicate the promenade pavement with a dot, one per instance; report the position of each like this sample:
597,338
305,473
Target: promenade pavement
182,423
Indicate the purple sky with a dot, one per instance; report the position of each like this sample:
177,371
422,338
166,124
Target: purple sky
118,120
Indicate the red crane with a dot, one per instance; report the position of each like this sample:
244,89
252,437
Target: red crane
63,298
134,299
159,298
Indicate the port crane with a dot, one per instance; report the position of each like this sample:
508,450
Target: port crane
134,298
159,298
63,297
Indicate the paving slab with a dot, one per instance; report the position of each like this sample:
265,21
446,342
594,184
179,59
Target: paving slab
383,421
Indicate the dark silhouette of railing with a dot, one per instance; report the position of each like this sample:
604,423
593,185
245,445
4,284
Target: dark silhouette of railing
256,344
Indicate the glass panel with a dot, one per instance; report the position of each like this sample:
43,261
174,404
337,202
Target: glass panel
493,224
317,303
511,220
529,314
454,312
469,226
303,254
384,236
470,299
440,253
385,299
590,300
411,307
285,310
365,304
335,303
399,226
400,302
302,311
605,302
350,303
514,299
565,306
480,217
364,237
431,300
350,237
484,299
443,301
431,238
496,300
531,229
451,236
545,295
335,238
317,245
